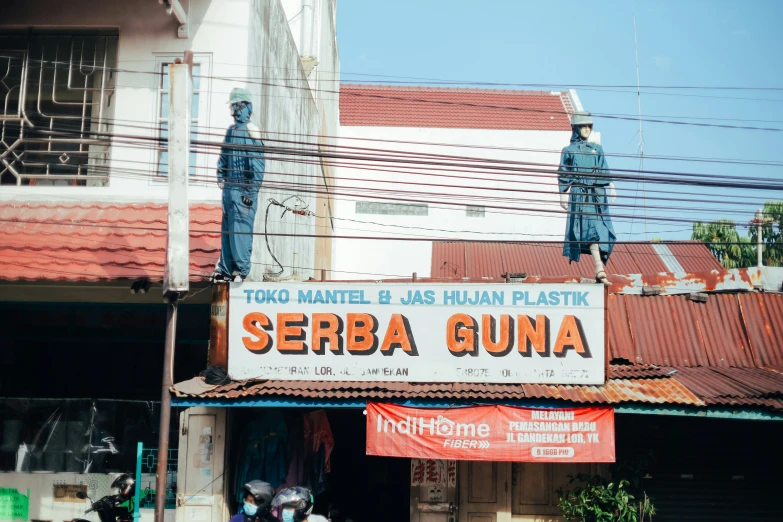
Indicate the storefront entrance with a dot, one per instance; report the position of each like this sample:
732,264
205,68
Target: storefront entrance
356,487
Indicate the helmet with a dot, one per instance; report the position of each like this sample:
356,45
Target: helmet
580,118
297,498
238,94
125,483
261,491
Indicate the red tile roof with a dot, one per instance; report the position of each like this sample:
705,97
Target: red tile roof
459,108
477,260
98,241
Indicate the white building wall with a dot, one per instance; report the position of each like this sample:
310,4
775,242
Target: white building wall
541,219
239,43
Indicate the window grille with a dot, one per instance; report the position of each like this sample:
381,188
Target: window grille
56,100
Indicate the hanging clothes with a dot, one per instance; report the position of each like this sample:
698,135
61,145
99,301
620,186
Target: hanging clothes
319,443
263,451
296,453
241,170
583,170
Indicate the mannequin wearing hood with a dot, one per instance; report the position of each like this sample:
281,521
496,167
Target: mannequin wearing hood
584,187
240,173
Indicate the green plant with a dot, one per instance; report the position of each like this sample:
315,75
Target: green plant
595,499
722,239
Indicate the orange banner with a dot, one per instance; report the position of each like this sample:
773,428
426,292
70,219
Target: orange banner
493,433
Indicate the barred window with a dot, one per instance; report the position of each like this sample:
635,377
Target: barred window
56,109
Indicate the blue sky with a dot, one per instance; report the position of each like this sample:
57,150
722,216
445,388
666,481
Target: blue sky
563,42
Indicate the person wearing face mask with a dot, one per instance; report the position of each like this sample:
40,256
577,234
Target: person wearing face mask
240,173
585,191
296,505
256,502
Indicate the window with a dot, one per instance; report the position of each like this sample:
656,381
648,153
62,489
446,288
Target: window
56,107
163,117
475,211
391,209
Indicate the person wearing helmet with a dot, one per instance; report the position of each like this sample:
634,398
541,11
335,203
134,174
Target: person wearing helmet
120,507
256,502
240,172
584,186
126,484
295,505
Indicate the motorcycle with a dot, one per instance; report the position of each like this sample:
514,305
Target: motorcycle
111,508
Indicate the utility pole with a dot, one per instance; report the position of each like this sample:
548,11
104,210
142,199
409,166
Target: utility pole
759,221
176,277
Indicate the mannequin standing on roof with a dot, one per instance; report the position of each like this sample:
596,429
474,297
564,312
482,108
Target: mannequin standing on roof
584,186
240,173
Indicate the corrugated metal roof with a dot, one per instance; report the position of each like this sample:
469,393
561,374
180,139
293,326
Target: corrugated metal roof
616,391
478,260
763,318
460,108
674,331
698,387
99,241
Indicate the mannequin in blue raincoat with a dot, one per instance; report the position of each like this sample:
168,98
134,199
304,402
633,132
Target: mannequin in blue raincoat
240,173
584,184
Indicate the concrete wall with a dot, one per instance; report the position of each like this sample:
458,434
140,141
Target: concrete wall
362,259
238,43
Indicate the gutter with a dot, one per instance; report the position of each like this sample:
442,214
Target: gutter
175,7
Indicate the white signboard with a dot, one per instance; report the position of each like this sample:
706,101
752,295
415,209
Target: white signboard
495,333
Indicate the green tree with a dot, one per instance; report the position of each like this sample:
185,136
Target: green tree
772,253
725,243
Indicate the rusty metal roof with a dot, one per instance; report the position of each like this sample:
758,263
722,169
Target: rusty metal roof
763,318
674,331
615,391
684,386
488,260
99,241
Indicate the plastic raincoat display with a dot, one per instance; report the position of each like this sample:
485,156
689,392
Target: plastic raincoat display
584,187
240,172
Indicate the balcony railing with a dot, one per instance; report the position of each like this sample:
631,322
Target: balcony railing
56,93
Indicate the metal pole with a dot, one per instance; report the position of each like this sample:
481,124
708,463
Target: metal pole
165,407
137,492
176,276
759,219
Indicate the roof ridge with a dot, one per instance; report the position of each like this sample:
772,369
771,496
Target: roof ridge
466,90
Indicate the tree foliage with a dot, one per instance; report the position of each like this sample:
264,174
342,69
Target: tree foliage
725,243
772,253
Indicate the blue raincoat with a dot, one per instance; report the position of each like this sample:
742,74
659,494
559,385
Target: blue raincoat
583,169
241,171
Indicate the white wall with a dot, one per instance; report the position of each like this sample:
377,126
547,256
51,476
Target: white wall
400,258
146,35
240,43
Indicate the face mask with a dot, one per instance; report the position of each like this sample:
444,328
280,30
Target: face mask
241,111
288,515
584,131
250,509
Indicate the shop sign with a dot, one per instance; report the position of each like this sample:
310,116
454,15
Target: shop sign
14,505
492,433
68,492
500,333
